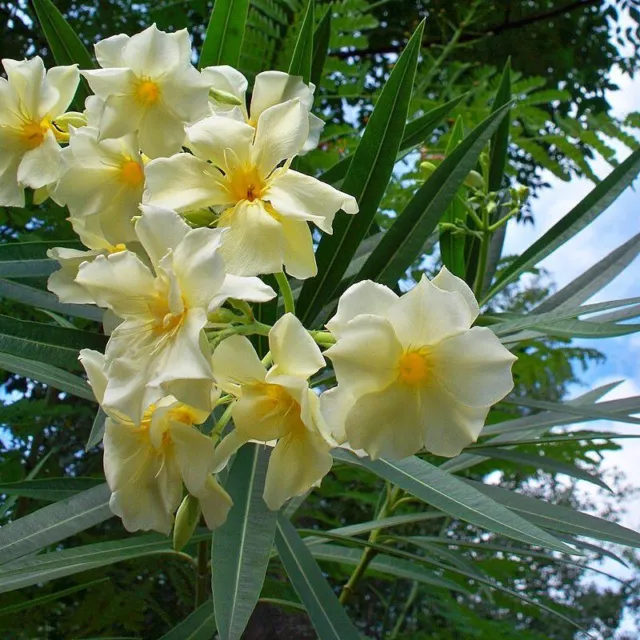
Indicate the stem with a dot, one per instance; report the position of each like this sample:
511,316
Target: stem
219,426
369,553
287,294
323,338
405,611
484,255
202,573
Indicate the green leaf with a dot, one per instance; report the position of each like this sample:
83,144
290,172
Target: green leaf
402,243
583,214
225,33
321,40
558,518
66,46
500,139
45,300
47,343
51,489
366,180
50,597
48,374
386,565
452,245
594,279
199,625
449,494
49,566
328,617
97,430
415,132
241,547
29,259
546,463
302,58
54,523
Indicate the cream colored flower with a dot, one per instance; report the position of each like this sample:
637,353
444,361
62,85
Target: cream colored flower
160,347
411,372
149,85
265,206
269,89
103,180
276,405
30,102
147,462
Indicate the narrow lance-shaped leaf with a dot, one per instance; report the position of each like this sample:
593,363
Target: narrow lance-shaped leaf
402,243
321,39
327,615
97,430
302,58
66,46
366,180
449,494
415,132
199,625
500,140
583,214
50,489
451,244
241,547
54,523
225,33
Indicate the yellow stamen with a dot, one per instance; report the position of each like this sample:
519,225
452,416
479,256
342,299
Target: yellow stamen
147,92
117,248
183,414
245,184
414,368
131,173
33,133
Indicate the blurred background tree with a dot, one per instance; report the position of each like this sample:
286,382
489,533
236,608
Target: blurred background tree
562,54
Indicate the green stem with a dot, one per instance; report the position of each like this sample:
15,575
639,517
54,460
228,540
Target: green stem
323,338
369,553
287,294
478,285
202,573
405,611
218,428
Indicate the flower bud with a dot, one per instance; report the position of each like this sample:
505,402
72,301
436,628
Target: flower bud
200,217
224,97
428,167
186,521
474,180
71,119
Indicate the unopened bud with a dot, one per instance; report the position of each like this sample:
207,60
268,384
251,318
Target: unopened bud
200,217
428,167
186,521
70,119
225,97
474,180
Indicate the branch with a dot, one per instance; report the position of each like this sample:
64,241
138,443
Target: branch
491,31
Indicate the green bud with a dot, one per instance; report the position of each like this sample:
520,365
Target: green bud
200,217
71,118
474,180
223,316
186,521
428,167
225,97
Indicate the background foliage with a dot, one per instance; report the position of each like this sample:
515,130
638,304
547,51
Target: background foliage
561,57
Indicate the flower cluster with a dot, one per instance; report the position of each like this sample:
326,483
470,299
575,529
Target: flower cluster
183,196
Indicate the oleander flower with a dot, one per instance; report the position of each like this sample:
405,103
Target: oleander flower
160,347
149,85
276,405
269,89
411,371
31,101
265,206
146,462
103,179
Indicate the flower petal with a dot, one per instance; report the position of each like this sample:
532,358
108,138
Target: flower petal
42,165
251,289
184,183
258,416
160,230
94,365
271,88
151,53
161,131
109,51
426,314
63,281
235,362
302,197
366,356
299,258
215,503
227,447
294,351
194,455
386,423
474,367
65,81
363,297
298,462
212,136
446,281
254,244
227,79
280,134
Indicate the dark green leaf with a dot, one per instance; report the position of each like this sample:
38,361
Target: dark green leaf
97,430
199,625
225,33
500,139
51,489
321,39
302,58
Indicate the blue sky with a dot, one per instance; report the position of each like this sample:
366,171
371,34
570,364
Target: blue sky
618,224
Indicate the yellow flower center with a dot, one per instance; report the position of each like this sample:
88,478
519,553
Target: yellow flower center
166,322
183,414
245,184
33,133
279,402
131,173
414,368
117,248
147,92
